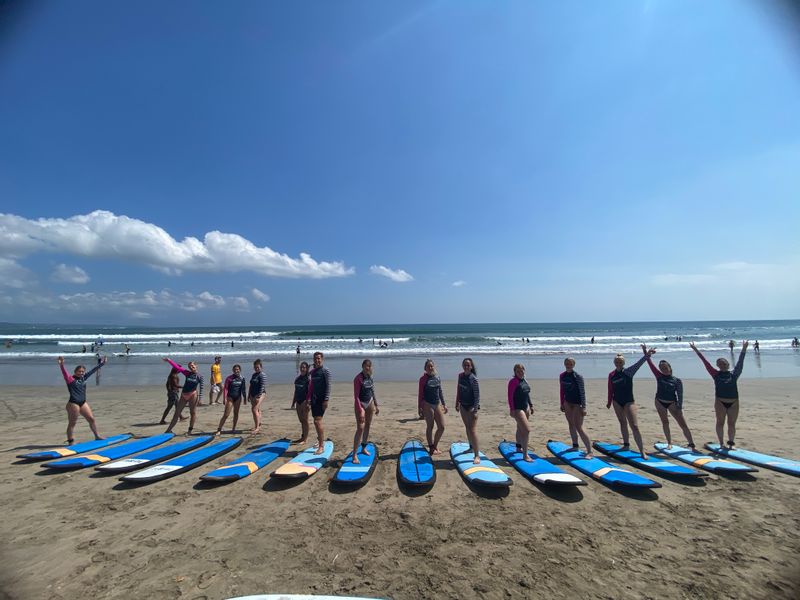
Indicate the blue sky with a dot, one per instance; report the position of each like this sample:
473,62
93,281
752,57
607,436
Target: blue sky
200,164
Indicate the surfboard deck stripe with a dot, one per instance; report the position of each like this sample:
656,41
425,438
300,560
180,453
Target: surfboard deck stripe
183,463
486,473
599,469
306,463
776,463
654,463
78,448
351,473
538,469
414,466
248,464
111,453
154,456
704,461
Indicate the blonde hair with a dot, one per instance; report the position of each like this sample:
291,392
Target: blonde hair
432,364
569,359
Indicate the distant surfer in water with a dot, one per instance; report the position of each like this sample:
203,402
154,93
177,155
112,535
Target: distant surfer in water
430,403
468,403
365,405
300,401
77,404
726,392
669,397
573,404
257,393
190,393
620,394
520,408
233,392
319,393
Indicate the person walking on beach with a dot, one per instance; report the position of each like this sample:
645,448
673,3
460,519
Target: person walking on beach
726,392
319,393
365,405
257,393
620,394
300,401
234,391
520,408
173,386
215,390
190,393
573,404
468,403
77,405
669,397
430,403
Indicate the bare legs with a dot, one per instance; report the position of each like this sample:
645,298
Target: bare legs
471,425
574,415
73,412
256,408
730,411
627,415
433,413
320,434
677,414
191,400
230,405
363,421
302,416
523,432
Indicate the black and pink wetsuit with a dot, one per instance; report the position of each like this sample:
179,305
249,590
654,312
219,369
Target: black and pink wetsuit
363,391
235,387
726,386
669,388
77,385
519,394
468,394
620,384
429,391
192,381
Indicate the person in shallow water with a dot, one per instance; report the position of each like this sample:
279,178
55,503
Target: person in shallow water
430,404
77,405
669,397
620,395
365,406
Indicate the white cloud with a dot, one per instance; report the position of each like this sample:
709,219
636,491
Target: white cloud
13,275
259,295
102,234
66,274
459,283
398,275
240,303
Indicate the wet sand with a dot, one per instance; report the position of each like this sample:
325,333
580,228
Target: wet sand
77,534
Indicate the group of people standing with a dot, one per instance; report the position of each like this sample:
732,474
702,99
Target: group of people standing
312,389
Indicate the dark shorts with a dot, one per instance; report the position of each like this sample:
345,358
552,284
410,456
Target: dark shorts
317,409
623,403
172,398
728,402
665,403
575,402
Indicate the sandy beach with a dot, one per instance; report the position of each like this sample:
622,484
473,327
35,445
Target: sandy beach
78,534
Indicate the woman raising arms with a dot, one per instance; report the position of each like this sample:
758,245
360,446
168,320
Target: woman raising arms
77,405
669,397
620,394
190,393
430,402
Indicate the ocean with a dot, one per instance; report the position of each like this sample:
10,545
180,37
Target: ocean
29,352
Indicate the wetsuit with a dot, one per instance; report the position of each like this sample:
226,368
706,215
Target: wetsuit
363,391
726,388
173,389
319,390
468,394
620,384
300,389
669,389
77,385
430,391
519,394
192,381
235,388
258,384
571,389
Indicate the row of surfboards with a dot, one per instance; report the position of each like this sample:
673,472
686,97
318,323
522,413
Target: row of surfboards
414,467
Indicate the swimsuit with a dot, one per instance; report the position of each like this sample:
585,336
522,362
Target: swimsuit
77,385
235,387
726,387
258,384
363,390
519,394
430,391
620,384
468,393
300,388
191,383
572,389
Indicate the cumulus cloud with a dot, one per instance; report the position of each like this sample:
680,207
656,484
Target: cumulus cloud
13,275
103,234
398,275
259,295
459,283
66,274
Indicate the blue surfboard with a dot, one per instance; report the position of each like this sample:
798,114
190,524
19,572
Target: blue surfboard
784,465
415,467
486,473
599,469
183,463
702,460
109,454
538,470
152,457
654,464
305,464
249,463
75,448
351,473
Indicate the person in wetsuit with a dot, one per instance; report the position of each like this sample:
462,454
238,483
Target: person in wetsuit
573,404
620,394
300,403
233,392
468,403
257,393
318,396
365,406
431,405
190,393
669,397
173,386
76,404
726,392
520,408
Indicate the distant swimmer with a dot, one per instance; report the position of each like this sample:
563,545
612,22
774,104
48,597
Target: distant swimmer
83,350
431,405
520,408
231,343
319,394
234,391
795,343
257,393
77,405
190,393
360,341
592,339
365,404
573,404
300,402
297,350
726,392
169,344
756,348
669,397
468,403
620,394
731,345
127,349
527,340
215,389
173,386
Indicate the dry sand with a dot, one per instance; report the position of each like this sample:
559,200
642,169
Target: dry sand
79,535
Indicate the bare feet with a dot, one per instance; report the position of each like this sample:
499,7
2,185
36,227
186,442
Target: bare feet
218,432
476,460
435,450
588,455
355,460
320,449
365,450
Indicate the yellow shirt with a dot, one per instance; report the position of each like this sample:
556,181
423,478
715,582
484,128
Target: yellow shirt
216,374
